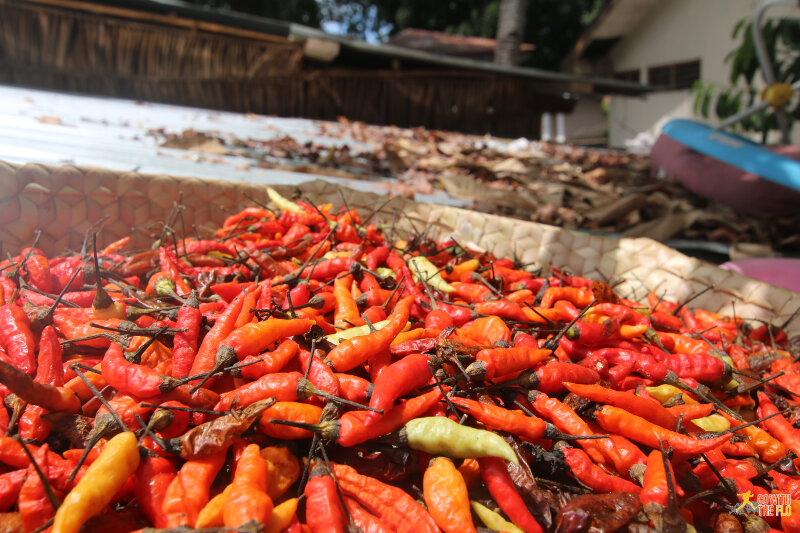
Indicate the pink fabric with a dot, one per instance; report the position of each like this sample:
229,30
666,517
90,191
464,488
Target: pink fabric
781,272
744,192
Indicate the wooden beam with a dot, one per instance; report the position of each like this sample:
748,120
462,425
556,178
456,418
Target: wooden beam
142,16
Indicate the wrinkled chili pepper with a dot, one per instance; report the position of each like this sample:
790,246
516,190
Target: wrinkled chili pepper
391,504
446,497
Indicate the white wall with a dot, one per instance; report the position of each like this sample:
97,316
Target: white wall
586,120
676,31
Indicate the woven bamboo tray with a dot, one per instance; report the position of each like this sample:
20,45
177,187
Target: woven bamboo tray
63,201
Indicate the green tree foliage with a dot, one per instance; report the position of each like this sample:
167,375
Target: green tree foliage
782,40
552,26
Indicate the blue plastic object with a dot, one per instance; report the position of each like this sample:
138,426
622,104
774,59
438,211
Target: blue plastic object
736,151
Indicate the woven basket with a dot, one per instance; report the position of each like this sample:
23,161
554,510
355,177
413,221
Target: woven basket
62,202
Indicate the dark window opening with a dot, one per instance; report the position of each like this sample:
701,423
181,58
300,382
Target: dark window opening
674,76
634,75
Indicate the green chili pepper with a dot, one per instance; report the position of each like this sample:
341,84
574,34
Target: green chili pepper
439,435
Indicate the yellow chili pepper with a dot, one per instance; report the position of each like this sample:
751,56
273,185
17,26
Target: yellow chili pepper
281,516
419,265
713,422
339,336
283,204
105,476
493,520
439,435
211,514
664,392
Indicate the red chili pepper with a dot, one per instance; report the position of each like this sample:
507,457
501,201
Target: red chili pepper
283,386
184,346
413,346
401,377
206,353
320,374
324,511
350,429
346,313
255,366
498,418
171,267
62,272
778,426
132,378
554,375
697,366
496,362
391,504
354,388
486,331
353,352
363,519
188,492
594,477
35,508
153,477
502,489
436,321
49,371
579,296
297,296
568,421
10,485
616,420
37,268
502,309
330,268
654,484
16,338
254,338
471,292
292,412
646,408
377,257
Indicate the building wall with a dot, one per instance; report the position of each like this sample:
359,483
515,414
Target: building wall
672,32
586,124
